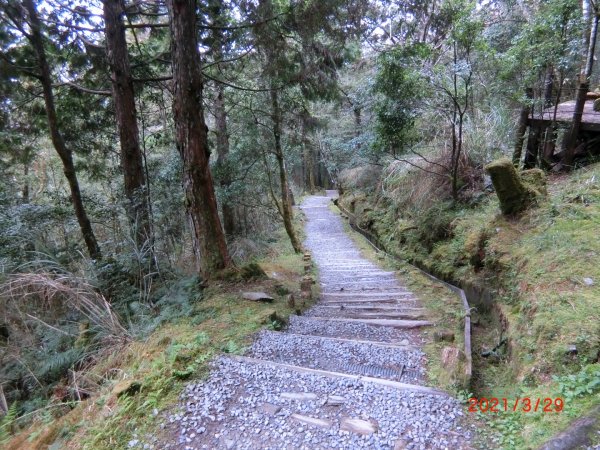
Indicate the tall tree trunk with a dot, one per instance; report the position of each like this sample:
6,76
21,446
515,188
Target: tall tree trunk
286,204
25,191
308,157
123,95
589,44
65,154
357,122
552,130
215,11
191,136
457,151
228,210
522,128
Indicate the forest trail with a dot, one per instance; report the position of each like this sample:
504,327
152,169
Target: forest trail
348,374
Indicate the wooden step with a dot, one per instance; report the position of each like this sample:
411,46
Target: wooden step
357,341
384,322
362,294
379,315
367,307
358,301
326,373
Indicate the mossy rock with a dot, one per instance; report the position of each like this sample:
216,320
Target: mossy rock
271,317
474,247
252,271
126,387
514,195
536,180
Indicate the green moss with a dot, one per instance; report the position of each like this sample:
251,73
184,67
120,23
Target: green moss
513,194
537,263
535,180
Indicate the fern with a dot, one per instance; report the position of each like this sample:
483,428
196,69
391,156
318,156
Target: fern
7,422
55,365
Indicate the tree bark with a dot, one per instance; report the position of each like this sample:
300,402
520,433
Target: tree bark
228,211
215,9
286,204
308,157
25,191
123,94
589,44
66,156
570,140
522,128
191,137
533,147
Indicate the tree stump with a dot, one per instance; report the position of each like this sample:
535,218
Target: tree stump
514,195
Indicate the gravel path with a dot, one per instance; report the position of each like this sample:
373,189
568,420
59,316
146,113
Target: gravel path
348,357
244,406
348,374
360,331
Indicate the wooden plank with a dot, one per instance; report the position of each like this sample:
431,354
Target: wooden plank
564,115
361,294
326,373
352,341
366,301
385,322
371,308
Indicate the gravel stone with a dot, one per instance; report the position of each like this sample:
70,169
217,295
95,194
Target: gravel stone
245,404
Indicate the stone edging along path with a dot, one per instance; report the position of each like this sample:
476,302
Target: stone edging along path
348,374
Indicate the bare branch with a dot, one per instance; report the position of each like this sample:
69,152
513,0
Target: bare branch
223,61
239,87
410,163
146,25
153,79
83,89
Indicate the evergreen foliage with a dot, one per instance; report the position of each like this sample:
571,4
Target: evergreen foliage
409,100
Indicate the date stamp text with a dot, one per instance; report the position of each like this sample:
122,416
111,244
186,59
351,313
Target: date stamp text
522,404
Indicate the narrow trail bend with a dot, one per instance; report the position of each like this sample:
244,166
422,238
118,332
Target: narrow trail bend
348,374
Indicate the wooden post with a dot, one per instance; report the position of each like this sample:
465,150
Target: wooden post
307,263
549,146
306,287
533,146
570,141
522,128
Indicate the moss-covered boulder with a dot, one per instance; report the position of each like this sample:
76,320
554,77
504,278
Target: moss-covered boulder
126,387
514,194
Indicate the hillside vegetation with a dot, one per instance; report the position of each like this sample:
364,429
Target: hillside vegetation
533,279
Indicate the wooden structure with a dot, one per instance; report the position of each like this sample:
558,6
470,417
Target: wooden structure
564,115
543,132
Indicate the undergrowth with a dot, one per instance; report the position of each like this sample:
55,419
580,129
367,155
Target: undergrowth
194,324
541,268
